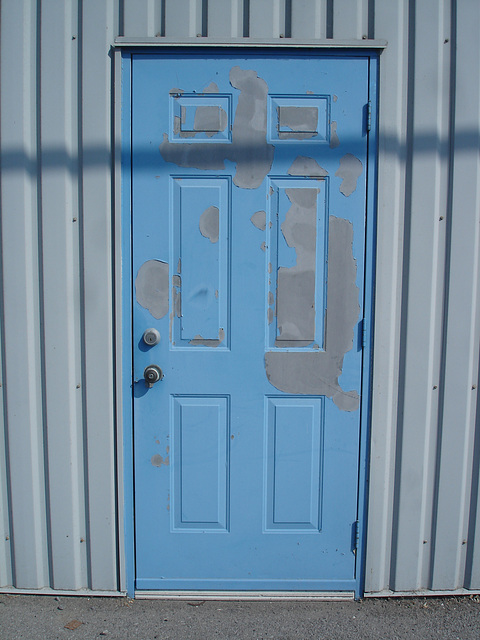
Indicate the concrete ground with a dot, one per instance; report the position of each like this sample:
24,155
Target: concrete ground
78,618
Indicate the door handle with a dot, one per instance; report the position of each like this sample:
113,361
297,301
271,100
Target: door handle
152,374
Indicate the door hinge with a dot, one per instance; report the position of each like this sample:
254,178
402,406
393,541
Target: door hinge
369,115
364,333
355,536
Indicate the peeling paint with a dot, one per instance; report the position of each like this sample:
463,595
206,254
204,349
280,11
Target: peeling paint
296,285
259,220
335,98
248,149
211,88
177,303
317,372
179,266
302,122
198,341
176,281
270,315
157,460
211,119
151,287
334,140
176,92
271,298
263,246
350,170
308,167
209,224
269,267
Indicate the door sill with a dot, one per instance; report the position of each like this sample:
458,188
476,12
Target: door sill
328,596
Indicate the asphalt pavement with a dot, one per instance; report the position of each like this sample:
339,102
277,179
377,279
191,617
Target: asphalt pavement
28,617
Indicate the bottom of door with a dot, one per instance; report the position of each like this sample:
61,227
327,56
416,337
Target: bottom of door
328,596
148,584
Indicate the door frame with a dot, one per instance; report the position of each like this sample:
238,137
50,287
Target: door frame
124,282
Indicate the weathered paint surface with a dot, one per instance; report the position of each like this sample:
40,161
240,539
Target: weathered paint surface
151,287
302,122
350,170
259,220
334,140
296,285
249,148
308,167
209,224
198,341
317,373
158,461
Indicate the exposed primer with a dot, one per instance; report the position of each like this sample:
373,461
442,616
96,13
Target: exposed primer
350,170
179,266
198,341
271,298
248,149
302,122
334,141
335,98
177,128
210,119
269,269
209,223
259,220
296,285
271,191
211,88
176,92
263,246
177,302
317,372
308,167
151,287
157,460
270,315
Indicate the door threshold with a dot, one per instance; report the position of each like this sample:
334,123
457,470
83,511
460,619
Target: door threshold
328,596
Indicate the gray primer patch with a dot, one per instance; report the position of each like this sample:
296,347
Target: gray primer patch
296,285
334,141
350,170
263,246
270,315
209,224
212,88
305,166
198,341
176,92
301,120
317,372
210,119
158,460
271,298
249,148
151,287
259,220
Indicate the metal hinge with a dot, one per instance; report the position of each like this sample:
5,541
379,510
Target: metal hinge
355,536
364,333
369,115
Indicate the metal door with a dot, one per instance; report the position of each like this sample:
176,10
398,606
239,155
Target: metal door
248,213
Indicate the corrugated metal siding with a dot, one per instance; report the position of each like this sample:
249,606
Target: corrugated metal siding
58,508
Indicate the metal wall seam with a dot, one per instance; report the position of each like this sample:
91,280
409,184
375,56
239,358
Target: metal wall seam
61,293
97,31
454,542
423,283
143,18
350,19
225,19
267,19
22,364
5,544
309,19
183,18
391,20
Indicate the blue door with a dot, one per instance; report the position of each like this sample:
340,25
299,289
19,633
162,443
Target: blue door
248,212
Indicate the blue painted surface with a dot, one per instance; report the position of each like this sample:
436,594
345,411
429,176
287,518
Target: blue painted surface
238,485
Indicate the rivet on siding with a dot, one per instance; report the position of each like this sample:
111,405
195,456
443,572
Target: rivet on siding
364,37
74,219
464,542
82,539
446,40
425,541
435,387
74,37
474,386
7,537
78,386
199,35
441,218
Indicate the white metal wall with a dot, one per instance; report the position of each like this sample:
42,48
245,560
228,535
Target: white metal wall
58,485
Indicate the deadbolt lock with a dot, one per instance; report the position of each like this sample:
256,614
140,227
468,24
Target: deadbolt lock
152,374
151,337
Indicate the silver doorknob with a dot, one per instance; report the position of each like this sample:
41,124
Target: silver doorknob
152,374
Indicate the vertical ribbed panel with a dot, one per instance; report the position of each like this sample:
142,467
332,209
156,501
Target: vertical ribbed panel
21,319
58,502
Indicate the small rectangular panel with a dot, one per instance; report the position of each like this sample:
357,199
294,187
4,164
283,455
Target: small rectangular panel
200,496
299,118
200,284
200,118
297,249
294,445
